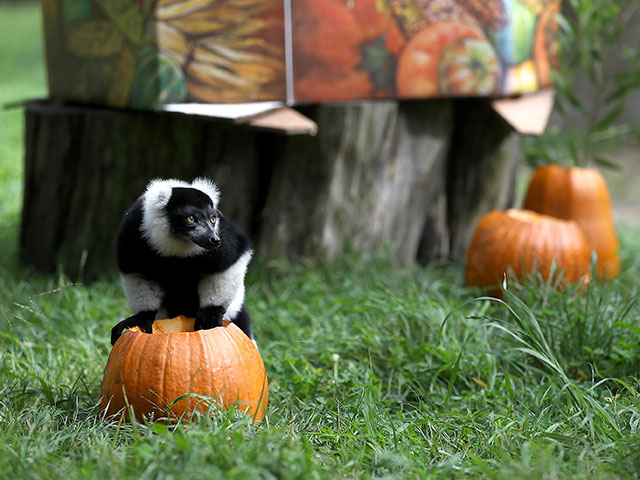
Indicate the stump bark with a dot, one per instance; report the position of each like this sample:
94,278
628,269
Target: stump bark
482,167
412,177
365,182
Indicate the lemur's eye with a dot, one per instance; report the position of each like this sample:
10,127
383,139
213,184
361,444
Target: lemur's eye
191,219
213,220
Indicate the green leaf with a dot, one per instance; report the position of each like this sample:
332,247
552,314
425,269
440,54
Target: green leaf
611,117
160,428
603,162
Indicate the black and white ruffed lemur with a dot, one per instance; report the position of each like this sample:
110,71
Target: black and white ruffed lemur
177,255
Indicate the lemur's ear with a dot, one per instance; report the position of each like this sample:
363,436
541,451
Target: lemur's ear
158,193
208,187
163,197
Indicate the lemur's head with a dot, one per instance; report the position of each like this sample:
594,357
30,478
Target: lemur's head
180,218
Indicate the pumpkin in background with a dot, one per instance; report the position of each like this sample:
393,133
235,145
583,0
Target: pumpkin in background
150,372
520,242
581,195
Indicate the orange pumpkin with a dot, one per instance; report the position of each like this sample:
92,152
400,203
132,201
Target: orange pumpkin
521,241
153,372
578,194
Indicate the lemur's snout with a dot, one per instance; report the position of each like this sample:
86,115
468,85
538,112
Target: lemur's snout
208,240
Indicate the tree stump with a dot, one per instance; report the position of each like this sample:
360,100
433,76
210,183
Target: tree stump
411,177
85,166
365,182
481,169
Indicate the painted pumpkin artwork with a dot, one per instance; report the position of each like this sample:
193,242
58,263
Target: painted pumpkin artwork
581,195
327,66
545,43
445,59
173,371
139,54
229,51
520,242
421,49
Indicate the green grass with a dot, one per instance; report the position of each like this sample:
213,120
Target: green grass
375,371
22,77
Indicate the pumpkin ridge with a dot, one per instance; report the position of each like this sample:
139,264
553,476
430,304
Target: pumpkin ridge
529,250
565,185
161,393
574,209
132,339
491,250
188,358
546,253
565,270
204,362
562,268
140,394
524,236
224,390
570,268
508,236
551,250
245,384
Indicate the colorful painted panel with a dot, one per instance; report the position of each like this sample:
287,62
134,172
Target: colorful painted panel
350,49
141,53
229,50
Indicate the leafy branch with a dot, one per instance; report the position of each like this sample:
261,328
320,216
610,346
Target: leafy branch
599,67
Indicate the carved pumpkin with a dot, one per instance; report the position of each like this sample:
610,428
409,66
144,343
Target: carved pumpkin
581,195
521,241
151,372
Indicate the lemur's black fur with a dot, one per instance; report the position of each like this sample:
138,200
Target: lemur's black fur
178,255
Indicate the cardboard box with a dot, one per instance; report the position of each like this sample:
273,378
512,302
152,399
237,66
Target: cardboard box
148,53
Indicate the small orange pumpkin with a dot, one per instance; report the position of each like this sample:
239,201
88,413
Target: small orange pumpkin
581,195
153,372
521,241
